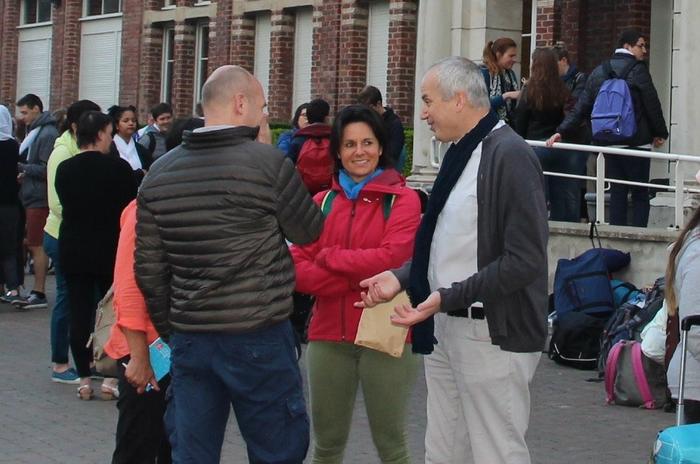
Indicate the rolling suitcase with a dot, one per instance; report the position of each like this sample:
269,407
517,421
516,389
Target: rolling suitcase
680,444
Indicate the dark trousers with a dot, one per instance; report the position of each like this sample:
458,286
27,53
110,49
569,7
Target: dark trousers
256,373
634,170
84,292
563,195
140,430
9,225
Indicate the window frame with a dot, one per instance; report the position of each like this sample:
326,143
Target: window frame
23,10
199,78
167,58
86,9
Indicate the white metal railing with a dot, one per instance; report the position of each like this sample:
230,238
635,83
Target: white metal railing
438,150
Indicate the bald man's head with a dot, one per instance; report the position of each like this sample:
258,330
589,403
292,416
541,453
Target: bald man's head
231,95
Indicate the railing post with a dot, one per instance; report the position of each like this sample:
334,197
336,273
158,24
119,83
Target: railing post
678,209
600,189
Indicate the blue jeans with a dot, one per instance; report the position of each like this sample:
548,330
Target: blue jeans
563,195
256,373
60,316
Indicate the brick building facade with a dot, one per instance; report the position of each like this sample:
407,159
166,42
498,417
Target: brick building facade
166,49
141,52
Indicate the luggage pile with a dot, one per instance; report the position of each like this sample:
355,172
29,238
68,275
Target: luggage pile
598,324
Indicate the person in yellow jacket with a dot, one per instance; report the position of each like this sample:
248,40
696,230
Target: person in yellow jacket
65,147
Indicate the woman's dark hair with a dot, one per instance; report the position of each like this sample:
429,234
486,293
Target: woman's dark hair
357,113
90,125
174,136
545,89
560,50
116,112
491,50
297,115
671,297
370,95
76,110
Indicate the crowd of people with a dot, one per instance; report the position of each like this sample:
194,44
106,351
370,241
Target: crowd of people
204,230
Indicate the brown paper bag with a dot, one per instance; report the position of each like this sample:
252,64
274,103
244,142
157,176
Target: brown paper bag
376,330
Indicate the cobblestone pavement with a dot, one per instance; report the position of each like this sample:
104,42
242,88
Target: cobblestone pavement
43,422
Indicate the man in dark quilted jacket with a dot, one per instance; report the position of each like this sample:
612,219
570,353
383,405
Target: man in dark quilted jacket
212,262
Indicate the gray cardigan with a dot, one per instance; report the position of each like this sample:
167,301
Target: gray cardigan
688,292
212,219
512,256
33,190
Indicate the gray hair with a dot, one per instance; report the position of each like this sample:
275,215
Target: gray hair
456,74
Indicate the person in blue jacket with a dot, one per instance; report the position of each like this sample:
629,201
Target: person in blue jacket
298,122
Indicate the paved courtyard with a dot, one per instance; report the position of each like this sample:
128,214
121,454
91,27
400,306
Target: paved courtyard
42,422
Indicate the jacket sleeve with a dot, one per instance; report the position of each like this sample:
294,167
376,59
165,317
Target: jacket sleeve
395,248
689,297
298,216
525,233
313,279
44,146
522,114
650,102
130,306
153,273
285,141
294,148
583,108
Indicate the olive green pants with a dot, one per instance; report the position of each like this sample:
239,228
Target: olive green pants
335,370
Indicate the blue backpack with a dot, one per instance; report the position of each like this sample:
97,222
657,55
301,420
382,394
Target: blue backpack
612,118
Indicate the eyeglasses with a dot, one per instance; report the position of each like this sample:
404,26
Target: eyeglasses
642,45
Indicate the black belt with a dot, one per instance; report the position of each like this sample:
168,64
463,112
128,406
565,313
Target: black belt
474,312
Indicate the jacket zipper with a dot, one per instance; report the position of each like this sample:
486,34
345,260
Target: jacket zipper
347,246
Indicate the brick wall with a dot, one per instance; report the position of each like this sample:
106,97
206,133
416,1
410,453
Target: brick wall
220,35
402,59
325,53
589,28
281,65
183,69
8,52
352,68
243,41
65,51
132,26
150,70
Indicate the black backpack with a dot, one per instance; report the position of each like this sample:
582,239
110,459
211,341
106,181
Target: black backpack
628,321
575,340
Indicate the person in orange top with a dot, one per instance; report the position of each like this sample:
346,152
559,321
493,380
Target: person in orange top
140,433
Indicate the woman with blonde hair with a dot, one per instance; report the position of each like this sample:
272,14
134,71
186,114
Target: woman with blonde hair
683,298
501,82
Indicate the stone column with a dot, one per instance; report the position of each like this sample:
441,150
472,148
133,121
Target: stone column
279,100
473,23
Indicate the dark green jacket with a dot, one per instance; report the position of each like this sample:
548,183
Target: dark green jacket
212,217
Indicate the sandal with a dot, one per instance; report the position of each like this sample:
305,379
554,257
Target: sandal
109,391
85,392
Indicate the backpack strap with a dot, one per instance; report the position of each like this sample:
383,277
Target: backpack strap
151,142
327,202
388,203
628,69
640,377
611,371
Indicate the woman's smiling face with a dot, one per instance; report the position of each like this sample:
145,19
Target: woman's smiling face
359,150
